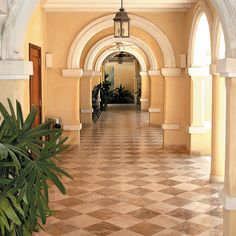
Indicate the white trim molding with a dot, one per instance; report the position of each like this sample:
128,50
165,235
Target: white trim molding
171,72
15,70
132,41
170,126
199,71
97,73
86,111
88,73
154,110
197,129
139,56
154,73
226,67
106,22
72,127
13,35
143,73
72,73
229,202
144,100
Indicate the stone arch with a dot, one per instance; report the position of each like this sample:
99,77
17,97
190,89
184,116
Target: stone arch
199,11
216,34
133,52
226,11
94,51
105,22
15,27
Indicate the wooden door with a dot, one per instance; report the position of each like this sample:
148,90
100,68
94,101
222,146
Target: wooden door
35,82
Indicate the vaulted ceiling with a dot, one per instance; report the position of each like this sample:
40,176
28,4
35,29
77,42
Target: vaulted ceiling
113,5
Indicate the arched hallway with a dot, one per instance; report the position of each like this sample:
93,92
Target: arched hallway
126,185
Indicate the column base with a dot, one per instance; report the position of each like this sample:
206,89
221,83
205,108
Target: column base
217,179
176,148
144,104
86,116
73,137
155,116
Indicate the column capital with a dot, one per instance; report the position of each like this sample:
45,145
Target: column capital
213,70
88,73
97,73
72,73
143,73
198,71
226,67
171,72
15,70
154,73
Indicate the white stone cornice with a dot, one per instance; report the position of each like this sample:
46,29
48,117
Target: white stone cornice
86,111
144,100
154,110
72,127
171,72
199,71
97,73
88,73
154,73
14,70
143,73
170,126
229,202
226,67
72,73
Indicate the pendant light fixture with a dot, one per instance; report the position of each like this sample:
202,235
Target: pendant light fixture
121,23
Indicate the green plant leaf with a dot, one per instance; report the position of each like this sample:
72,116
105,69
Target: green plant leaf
3,152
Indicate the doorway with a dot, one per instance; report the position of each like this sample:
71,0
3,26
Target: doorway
35,82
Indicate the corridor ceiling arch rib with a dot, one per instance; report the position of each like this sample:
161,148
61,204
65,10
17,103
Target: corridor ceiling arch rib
135,42
135,53
15,28
228,22
199,11
105,22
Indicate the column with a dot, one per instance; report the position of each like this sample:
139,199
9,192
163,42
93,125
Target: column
227,68
199,130
72,125
14,83
156,112
218,128
86,97
174,109
145,91
96,78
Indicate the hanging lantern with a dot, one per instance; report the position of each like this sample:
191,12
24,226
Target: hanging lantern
121,23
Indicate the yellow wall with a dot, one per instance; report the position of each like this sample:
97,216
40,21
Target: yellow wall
124,74
36,34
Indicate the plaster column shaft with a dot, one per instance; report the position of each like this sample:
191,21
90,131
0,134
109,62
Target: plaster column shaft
230,162
156,110
200,133
145,91
86,97
218,129
174,113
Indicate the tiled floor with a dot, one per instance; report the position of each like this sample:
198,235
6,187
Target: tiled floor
125,185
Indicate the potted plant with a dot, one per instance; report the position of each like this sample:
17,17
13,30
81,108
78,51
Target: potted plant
27,162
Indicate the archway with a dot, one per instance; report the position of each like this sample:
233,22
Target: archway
201,85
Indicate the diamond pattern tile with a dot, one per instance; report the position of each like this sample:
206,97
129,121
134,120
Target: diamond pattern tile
126,185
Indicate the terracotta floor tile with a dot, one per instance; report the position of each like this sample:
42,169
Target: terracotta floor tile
126,185
103,229
190,228
146,228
